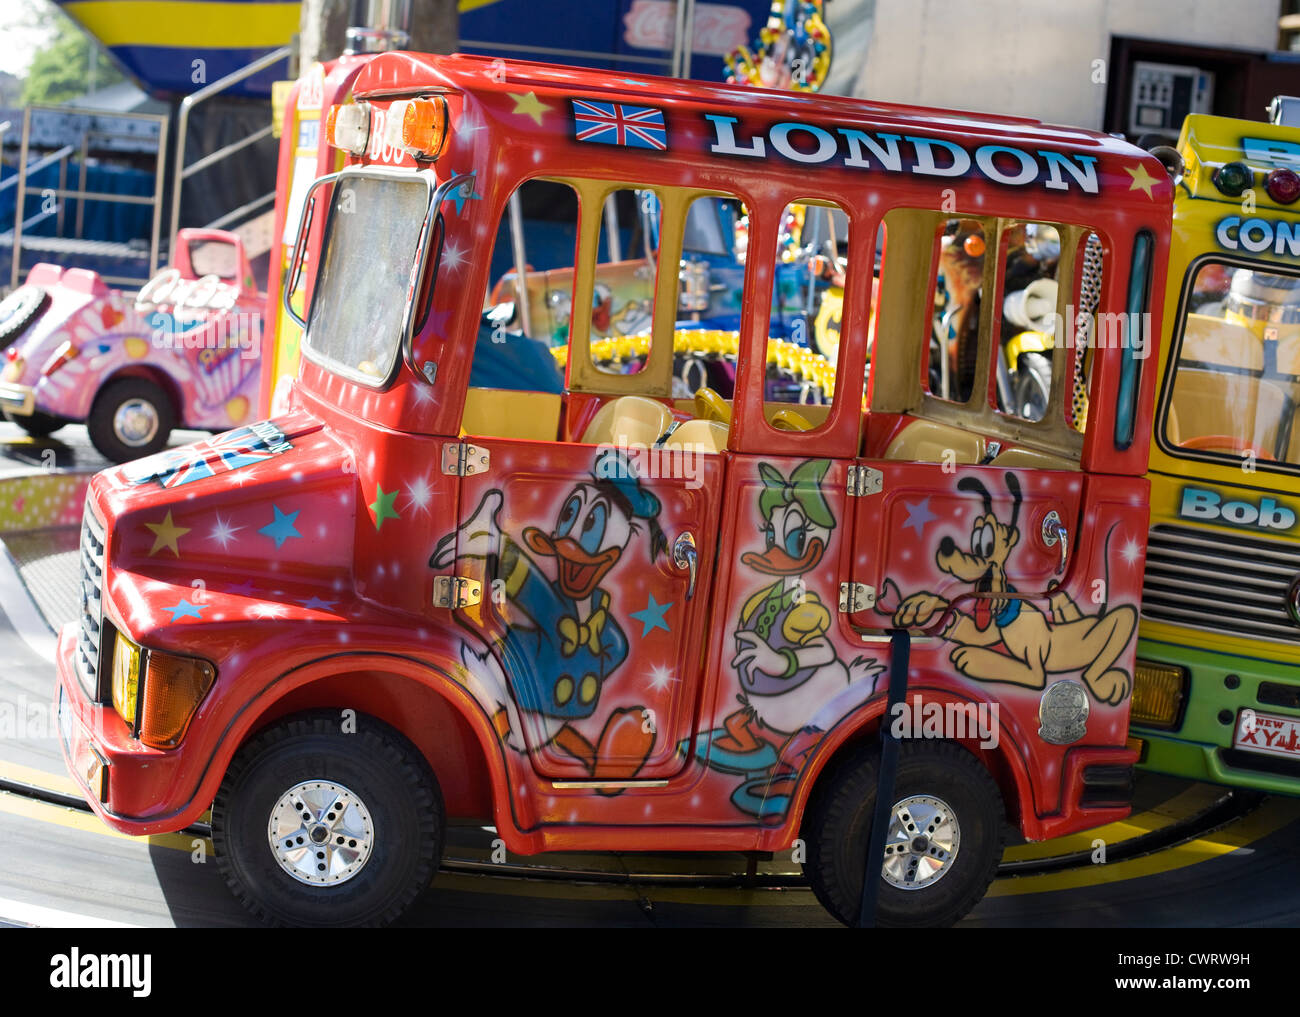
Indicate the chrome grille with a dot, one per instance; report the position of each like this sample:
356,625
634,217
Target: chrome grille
92,607
1221,582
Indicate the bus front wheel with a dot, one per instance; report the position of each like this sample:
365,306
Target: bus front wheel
318,825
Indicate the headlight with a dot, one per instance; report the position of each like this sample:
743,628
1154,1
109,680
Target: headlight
157,693
126,679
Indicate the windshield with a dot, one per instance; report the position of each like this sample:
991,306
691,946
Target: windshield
1237,377
365,284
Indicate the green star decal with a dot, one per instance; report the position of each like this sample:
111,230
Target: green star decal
382,507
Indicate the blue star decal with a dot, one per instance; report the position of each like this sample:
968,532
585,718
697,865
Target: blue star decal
245,588
652,616
316,604
633,81
918,514
184,609
465,192
282,529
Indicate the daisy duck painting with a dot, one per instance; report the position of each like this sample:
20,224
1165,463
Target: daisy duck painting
559,641
788,669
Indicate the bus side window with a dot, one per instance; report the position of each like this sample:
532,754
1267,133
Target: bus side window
525,316
626,273
806,301
1028,334
963,279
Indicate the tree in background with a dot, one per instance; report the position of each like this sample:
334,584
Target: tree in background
70,65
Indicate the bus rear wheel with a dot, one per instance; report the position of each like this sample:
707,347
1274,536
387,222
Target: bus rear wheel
943,845
316,826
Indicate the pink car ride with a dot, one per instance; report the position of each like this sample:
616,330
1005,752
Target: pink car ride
183,352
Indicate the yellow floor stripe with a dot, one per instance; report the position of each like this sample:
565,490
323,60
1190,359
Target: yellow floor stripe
1273,816
1276,814
87,822
187,25
1186,803
42,779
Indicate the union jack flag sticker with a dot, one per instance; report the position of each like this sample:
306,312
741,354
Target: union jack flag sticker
243,446
613,123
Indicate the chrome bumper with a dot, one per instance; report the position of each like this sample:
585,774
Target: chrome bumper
19,400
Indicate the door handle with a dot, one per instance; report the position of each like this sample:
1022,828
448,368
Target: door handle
685,557
1054,530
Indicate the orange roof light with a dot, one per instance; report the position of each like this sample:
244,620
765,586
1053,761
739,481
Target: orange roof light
419,126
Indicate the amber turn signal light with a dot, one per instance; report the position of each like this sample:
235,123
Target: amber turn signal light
174,686
1158,694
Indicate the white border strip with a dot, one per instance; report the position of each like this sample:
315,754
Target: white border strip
20,913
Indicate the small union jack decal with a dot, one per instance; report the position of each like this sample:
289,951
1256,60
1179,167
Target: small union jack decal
611,123
243,446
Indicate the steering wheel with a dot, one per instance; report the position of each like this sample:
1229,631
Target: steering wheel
790,420
1225,443
711,406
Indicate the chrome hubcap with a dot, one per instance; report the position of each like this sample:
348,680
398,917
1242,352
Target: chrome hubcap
136,422
922,842
320,833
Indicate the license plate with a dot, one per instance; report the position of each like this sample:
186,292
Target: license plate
1267,733
85,761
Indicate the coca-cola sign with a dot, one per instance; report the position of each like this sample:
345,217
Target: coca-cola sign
717,29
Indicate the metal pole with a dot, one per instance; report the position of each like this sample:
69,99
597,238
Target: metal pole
687,45
81,184
521,262
615,242
900,649
158,178
58,205
21,197
679,36
183,123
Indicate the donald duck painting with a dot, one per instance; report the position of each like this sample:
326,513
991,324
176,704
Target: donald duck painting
561,642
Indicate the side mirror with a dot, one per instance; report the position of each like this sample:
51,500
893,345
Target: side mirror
292,277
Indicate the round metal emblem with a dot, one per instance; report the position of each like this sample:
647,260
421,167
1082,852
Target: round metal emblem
1063,713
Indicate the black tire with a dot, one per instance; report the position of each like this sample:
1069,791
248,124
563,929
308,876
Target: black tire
380,768
38,425
18,310
116,394
839,817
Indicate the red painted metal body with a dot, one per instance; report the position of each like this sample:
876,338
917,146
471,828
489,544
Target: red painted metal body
306,567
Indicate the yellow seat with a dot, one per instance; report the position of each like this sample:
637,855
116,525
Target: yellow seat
628,420
699,436
1210,340
928,441
1233,405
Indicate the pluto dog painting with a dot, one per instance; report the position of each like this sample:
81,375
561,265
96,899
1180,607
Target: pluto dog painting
1005,637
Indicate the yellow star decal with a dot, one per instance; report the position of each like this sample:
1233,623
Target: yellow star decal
1142,180
165,534
529,105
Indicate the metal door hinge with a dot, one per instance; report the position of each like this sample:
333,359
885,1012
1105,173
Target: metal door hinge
856,597
456,591
465,460
864,481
